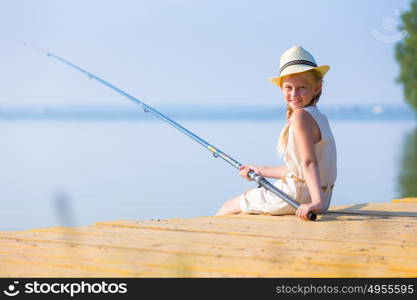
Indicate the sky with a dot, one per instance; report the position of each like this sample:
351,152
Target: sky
188,52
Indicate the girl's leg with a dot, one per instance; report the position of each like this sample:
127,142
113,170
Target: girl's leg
231,206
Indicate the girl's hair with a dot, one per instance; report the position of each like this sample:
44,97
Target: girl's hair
283,138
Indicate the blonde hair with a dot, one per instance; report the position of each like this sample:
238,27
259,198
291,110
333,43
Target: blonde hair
283,137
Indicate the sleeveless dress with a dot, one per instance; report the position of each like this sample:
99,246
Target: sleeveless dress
261,200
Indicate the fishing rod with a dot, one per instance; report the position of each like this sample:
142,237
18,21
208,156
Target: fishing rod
261,181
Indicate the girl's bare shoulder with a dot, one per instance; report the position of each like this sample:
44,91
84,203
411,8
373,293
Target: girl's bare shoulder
303,121
301,118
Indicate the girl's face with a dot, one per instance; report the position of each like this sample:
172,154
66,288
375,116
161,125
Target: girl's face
299,89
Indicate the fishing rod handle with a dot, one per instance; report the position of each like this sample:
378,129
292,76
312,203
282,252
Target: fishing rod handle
312,216
261,181
254,176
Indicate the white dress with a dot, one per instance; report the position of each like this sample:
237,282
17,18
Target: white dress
261,200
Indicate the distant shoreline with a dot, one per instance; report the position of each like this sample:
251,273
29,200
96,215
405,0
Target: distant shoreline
206,113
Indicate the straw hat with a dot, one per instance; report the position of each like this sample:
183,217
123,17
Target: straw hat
297,60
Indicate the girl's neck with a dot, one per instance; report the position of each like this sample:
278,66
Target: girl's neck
310,105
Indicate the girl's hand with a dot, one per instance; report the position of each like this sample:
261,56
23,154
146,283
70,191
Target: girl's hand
304,209
244,170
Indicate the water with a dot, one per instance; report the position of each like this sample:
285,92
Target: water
69,172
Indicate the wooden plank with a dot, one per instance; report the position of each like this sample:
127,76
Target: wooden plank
42,264
361,232
214,244
334,216
134,263
400,209
10,267
404,200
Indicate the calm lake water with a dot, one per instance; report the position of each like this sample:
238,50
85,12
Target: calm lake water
66,172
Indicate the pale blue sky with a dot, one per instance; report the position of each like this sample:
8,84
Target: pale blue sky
195,52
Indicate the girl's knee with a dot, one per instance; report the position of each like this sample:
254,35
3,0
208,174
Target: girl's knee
231,206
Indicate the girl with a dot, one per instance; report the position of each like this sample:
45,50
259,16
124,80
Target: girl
306,143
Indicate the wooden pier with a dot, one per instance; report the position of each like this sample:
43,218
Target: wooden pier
362,240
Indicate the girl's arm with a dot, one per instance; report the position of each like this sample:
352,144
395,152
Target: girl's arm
303,124
273,172
270,172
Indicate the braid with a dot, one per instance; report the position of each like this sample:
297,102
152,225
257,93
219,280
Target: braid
289,112
283,138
